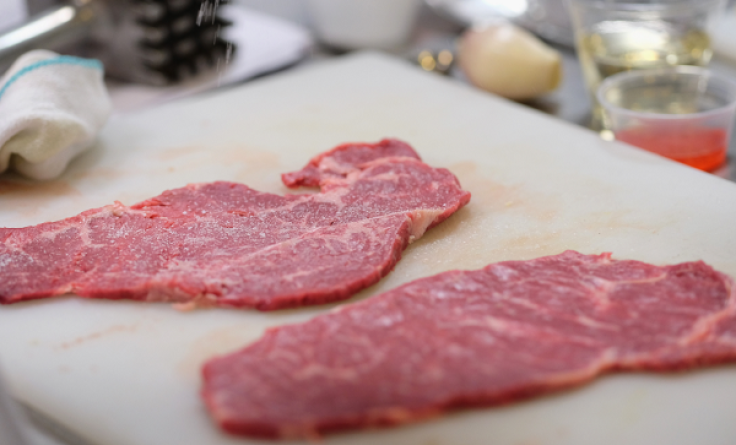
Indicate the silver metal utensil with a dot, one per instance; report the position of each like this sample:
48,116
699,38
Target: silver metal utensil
52,427
11,431
155,42
17,418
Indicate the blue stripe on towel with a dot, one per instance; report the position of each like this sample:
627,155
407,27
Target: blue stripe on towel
61,60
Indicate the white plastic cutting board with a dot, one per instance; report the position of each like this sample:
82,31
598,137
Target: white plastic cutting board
128,373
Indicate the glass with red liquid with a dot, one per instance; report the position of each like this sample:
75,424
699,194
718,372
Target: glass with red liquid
684,113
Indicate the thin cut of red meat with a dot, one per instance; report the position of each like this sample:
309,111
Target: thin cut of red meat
228,245
467,338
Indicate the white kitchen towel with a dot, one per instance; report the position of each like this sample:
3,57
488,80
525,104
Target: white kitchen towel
51,108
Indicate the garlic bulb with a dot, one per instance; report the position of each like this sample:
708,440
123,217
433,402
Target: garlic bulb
509,61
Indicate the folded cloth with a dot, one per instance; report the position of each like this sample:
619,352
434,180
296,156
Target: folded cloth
51,108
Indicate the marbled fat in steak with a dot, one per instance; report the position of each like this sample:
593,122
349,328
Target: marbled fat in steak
466,338
225,244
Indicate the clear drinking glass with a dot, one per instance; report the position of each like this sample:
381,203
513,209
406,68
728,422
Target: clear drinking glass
612,36
684,113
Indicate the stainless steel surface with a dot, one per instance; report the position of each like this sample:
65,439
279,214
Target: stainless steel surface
10,422
154,42
53,428
22,424
55,27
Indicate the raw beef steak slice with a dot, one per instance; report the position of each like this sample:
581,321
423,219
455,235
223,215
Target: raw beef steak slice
341,160
225,244
465,338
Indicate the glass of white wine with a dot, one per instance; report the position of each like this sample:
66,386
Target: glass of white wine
612,36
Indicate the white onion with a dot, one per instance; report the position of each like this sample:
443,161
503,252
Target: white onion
509,61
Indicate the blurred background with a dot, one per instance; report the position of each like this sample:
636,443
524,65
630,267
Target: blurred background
160,50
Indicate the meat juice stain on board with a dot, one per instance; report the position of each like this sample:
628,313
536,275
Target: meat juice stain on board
29,197
56,199
505,222
221,341
175,153
13,187
97,174
192,157
476,234
258,169
607,221
98,335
